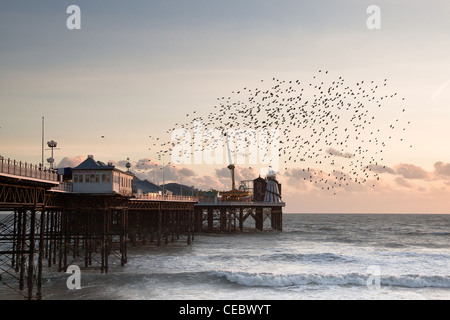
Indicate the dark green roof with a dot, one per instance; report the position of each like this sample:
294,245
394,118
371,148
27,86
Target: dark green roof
91,164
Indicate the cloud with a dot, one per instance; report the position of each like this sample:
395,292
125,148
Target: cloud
247,173
142,164
223,173
298,173
185,172
338,153
310,179
442,169
71,162
173,173
145,164
207,182
151,170
381,169
403,182
410,171
240,174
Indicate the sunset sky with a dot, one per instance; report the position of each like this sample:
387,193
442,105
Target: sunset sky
136,68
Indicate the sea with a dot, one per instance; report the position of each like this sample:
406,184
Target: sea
315,257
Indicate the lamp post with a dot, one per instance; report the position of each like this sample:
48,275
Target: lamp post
179,177
163,191
128,165
181,187
52,145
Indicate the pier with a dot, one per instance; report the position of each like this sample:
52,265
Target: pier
229,216
50,222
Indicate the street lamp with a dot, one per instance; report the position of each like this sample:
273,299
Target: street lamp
52,145
128,165
164,193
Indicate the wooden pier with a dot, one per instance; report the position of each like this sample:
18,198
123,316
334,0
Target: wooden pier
49,225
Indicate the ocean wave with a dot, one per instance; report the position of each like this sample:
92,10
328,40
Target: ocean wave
440,233
425,256
419,234
312,257
356,279
328,228
283,257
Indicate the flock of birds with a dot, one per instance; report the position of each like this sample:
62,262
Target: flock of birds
331,133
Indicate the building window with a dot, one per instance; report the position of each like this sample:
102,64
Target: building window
108,178
81,178
92,178
97,178
75,178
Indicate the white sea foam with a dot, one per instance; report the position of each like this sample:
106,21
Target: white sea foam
356,279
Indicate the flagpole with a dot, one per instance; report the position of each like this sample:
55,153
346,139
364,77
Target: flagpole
42,163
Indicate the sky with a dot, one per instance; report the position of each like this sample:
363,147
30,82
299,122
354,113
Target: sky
136,68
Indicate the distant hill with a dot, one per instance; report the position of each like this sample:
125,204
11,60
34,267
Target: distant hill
146,186
177,188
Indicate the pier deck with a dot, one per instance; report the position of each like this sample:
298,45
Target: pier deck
47,223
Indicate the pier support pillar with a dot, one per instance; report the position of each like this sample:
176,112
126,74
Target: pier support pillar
241,219
259,219
223,219
41,255
210,219
276,219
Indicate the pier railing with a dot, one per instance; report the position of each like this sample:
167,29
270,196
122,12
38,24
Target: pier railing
23,169
218,202
64,187
160,197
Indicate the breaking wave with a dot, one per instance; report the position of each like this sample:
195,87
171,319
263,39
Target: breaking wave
355,279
